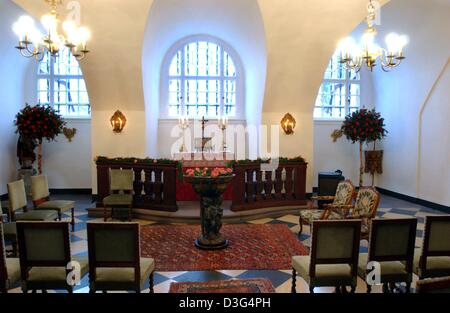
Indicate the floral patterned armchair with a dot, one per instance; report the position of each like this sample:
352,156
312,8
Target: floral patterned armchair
341,201
365,208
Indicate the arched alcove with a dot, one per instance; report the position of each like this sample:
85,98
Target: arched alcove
237,23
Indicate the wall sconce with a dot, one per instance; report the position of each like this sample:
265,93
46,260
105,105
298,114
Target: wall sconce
118,121
288,124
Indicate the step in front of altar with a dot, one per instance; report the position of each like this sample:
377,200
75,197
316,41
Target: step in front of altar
189,213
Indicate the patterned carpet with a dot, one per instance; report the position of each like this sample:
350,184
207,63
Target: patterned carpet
281,279
251,247
257,285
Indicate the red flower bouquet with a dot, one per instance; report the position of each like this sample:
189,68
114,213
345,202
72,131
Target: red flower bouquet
38,123
364,126
208,172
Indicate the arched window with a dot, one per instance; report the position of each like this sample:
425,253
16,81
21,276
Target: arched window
339,93
61,85
201,77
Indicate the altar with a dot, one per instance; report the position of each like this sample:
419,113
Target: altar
184,191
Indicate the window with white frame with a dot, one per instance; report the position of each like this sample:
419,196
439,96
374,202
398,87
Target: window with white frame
61,85
340,92
201,79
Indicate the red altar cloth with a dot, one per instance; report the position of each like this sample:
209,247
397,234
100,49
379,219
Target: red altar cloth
185,192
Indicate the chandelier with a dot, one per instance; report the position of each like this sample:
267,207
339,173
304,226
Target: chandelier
32,43
354,56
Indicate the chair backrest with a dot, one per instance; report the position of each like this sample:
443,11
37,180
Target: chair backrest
3,270
436,238
17,195
43,244
344,193
335,242
113,245
121,180
393,240
39,188
367,202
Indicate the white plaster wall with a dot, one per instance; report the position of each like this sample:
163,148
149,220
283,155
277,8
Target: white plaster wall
434,165
12,74
401,94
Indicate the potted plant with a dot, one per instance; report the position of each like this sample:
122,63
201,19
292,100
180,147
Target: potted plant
362,126
34,124
210,184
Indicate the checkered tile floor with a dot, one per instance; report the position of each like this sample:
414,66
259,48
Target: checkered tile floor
281,280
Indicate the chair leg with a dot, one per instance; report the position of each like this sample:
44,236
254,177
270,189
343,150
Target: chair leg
151,282
369,288
59,216
311,289
385,288
294,281
300,223
105,218
353,289
73,219
14,249
130,212
408,288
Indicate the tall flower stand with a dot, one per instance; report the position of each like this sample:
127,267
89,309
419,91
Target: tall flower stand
210,190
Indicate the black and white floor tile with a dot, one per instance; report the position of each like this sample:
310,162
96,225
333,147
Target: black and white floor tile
281,280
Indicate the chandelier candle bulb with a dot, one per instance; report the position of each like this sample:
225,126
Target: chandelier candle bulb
33,44
354,57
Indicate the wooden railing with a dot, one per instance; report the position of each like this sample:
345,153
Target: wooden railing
154,184
254,188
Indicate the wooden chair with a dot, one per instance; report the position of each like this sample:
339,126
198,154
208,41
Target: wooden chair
433,260
10,234
433,285
333,259
45,256
365,209
391,244
18,200
114,258
342,199
121,188
40,195
9,267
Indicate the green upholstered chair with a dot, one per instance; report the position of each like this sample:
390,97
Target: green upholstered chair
114,258
333,259
342,199
433,285
121,192
433,260
10,234
18,200
40,195
391,244
45,257
9,267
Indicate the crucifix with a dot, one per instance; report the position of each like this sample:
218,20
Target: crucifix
203,133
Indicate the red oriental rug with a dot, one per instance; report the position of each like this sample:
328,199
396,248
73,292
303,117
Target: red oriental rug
252,247
256,285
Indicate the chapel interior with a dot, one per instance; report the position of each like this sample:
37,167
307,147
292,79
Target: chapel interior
225,146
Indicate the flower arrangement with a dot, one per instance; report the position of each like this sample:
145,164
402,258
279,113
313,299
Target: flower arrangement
38,123
34,124
364,126
208,172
